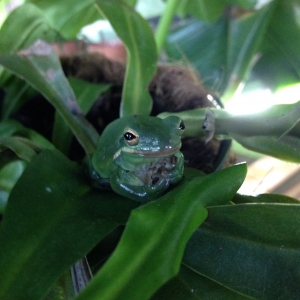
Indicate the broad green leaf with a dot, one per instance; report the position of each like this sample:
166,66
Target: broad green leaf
154,239
280,60
86,94
202,45
189,285
50,226
40,67
223,51
138,38
252,249
244,38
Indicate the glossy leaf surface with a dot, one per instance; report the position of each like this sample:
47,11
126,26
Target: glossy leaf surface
153,242
52,219
136,34
253,247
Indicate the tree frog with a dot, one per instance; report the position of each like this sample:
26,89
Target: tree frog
138,156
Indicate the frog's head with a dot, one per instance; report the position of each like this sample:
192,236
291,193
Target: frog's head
135,140
150,137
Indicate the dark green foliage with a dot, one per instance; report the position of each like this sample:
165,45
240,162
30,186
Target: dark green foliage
200,240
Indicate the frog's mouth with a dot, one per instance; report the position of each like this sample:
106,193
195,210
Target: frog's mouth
144,153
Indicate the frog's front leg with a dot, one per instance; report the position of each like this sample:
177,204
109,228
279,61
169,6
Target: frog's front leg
127,184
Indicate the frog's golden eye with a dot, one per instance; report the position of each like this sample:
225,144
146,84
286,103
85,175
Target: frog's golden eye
181,126
131,138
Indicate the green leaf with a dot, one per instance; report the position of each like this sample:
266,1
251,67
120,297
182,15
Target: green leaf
153,242
285,148
21,29
202,45
50,226
264,198
23,148
138,38
9,174
245,36
68,16
40,67
13,128
252,249
190,285
86,94
223,51
205,10
210,10
280,60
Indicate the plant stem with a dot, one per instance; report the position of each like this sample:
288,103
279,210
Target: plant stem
164,24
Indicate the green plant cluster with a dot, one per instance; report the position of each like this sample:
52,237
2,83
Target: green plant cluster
201,240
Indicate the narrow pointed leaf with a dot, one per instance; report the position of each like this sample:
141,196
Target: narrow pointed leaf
138,38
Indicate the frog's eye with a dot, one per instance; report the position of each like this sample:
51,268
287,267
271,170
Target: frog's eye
131,138
181,126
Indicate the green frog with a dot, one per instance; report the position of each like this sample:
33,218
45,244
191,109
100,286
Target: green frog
139,157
